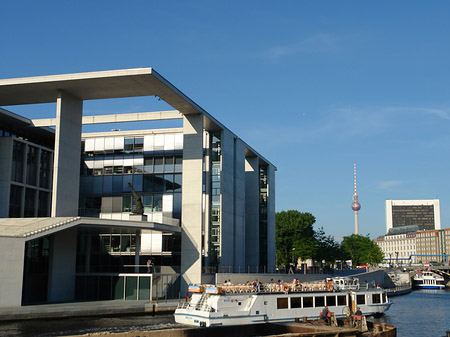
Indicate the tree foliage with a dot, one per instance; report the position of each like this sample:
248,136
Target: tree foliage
361,250
327,249
295,237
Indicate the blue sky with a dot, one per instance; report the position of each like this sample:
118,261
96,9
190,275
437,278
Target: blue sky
314,86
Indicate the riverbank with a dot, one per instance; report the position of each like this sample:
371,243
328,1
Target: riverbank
80,309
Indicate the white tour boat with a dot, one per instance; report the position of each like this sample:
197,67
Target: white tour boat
427,280
273,302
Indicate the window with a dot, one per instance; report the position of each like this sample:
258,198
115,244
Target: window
320,301
341,300
360,299
296,302
282,303
18,161
376,298
307,302
331,301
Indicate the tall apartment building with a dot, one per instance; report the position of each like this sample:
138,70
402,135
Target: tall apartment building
425,214
208,197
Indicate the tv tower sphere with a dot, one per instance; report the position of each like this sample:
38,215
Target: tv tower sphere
356,206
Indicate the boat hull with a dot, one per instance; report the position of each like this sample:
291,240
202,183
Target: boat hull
242,309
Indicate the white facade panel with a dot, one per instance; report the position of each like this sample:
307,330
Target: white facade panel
99,144
178,141
169,142
109,143
89,145
158,144
118,143
148,143
167,203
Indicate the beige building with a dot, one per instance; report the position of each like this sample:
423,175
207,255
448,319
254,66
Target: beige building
399,245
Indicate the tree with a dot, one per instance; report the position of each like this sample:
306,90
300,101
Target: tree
294,237
361,250
327,248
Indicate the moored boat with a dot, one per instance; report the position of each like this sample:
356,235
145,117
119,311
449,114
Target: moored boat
250,304
427,280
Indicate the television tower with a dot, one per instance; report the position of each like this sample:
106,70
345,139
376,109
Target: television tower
356,206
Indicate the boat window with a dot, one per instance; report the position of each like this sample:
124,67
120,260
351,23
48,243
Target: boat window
360,299
384,298
282,303
341,300
296,302
307,302
331,301
376,298
320,301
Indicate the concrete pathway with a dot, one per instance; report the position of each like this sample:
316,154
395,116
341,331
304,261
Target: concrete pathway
76,309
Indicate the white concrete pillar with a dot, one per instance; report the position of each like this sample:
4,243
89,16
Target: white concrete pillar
12,251
191,218
66,166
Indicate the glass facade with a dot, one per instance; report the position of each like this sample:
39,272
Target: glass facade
263,194
31,180
215,202
420,215
105,178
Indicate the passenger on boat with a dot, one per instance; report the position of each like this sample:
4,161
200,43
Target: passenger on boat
357,316
325,315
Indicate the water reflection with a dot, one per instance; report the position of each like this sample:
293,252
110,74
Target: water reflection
420,313
84,325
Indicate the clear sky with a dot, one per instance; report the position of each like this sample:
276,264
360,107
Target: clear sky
314,86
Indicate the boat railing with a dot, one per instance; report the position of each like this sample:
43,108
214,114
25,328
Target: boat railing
285,287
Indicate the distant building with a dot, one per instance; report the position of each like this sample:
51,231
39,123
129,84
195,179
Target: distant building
433,245
423,213
399,244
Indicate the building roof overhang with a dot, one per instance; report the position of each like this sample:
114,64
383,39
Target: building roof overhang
33,228
95,85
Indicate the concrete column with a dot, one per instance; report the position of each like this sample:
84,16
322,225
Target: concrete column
271,243
228,199
66,166
12,251
62,266
251,212
191,218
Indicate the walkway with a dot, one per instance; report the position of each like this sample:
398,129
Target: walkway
76,309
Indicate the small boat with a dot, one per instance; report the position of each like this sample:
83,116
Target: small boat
428,280
275,303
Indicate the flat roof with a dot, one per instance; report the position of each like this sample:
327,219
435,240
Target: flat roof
32,228
102,85
95,85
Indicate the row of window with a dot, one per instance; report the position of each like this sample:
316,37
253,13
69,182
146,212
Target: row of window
157,183
26,161
132,165
322,301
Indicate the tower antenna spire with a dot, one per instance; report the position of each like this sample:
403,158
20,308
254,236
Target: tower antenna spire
356,206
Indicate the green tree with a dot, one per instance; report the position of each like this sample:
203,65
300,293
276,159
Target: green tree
327,249
294,237
361,250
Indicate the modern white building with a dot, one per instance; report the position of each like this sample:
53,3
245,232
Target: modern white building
208,197
425,214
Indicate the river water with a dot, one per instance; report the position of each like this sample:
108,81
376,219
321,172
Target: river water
422,313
